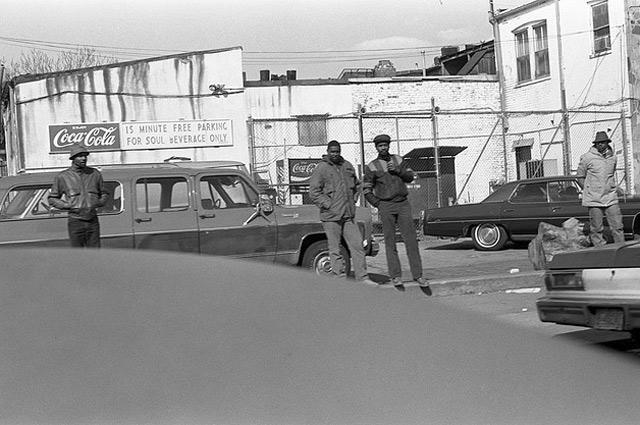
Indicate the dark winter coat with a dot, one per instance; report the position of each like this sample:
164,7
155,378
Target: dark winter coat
333,188
381,185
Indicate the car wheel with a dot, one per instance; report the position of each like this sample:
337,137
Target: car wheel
316,257
489,237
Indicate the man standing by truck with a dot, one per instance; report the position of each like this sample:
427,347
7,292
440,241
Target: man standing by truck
333,188
80,191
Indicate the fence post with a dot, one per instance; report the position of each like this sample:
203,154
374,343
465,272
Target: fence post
361,136
436,153
625,153
252,147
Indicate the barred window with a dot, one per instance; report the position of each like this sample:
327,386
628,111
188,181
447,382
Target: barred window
601,32
312,130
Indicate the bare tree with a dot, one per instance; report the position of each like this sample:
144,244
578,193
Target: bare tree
40,62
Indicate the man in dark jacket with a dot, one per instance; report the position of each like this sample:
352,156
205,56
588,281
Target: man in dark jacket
80,191
333,188
598,167
385,187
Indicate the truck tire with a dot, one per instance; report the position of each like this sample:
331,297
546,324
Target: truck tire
316,257
488,237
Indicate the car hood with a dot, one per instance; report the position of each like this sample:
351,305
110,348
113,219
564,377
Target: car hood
142,337
614,255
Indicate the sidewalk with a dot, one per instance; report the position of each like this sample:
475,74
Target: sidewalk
455,268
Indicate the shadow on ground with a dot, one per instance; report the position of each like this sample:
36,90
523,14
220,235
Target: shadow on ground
613,340
444,244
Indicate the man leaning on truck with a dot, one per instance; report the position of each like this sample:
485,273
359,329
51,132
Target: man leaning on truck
80,191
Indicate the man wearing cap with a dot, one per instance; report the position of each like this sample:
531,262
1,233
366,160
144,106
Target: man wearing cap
80,191
385,187
598,167
333,187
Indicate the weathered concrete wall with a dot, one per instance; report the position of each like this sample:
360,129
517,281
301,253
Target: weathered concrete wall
392,97
164,89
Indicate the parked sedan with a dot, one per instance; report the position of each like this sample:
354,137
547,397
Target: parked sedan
514,211
595,288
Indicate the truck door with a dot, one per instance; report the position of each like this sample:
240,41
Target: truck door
164,217
229,221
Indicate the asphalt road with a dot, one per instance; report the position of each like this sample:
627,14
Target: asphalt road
518,309
454,267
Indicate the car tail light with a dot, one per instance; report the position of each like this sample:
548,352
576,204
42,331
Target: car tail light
566,279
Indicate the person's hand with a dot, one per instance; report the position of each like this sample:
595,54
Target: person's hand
391,168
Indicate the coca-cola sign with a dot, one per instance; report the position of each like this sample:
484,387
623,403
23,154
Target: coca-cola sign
300,170
94,137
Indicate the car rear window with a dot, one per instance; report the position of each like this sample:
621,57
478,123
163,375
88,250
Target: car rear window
501,194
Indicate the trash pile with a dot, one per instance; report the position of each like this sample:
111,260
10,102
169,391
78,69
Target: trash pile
552,240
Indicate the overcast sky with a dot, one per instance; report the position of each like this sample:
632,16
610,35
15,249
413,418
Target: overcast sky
316,38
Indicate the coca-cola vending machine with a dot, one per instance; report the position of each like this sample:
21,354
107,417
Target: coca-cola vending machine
300,171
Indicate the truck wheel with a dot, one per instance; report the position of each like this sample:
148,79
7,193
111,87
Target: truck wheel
316,257
489,237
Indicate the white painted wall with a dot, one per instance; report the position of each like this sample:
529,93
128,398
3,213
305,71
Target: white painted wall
165,89
592,82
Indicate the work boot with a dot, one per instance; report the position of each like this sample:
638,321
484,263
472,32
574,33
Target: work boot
423,285
395,282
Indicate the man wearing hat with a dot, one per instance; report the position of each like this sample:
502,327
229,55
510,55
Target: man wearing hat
385,187
598,167
80,191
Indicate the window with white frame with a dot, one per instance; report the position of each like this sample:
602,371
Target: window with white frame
601,31
536,52
541,50
522,56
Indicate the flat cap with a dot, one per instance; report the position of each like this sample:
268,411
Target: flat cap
381,138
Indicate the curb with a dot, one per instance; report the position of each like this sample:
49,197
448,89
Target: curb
485,284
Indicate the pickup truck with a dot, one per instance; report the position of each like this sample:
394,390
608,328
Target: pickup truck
211,208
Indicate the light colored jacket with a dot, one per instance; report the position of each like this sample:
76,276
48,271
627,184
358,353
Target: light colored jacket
599,183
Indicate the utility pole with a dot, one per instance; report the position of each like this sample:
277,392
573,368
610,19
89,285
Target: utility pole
436,153
501,86
563,98
424,63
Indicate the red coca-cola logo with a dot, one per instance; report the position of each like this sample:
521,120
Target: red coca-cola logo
93,136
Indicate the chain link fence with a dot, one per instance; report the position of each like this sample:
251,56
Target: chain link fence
459,157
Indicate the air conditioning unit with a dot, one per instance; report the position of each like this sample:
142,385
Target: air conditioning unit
601,44
539,168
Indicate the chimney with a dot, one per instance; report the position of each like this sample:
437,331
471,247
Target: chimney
448,50
265,75
291,74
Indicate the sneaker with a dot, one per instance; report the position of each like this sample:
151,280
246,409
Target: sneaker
423,285
368,281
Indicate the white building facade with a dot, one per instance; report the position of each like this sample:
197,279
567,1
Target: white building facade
571,63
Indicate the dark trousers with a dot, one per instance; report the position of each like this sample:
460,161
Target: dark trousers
84,233
399,213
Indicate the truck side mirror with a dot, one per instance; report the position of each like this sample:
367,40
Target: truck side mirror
266,204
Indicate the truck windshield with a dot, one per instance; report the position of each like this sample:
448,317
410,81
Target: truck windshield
17,201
